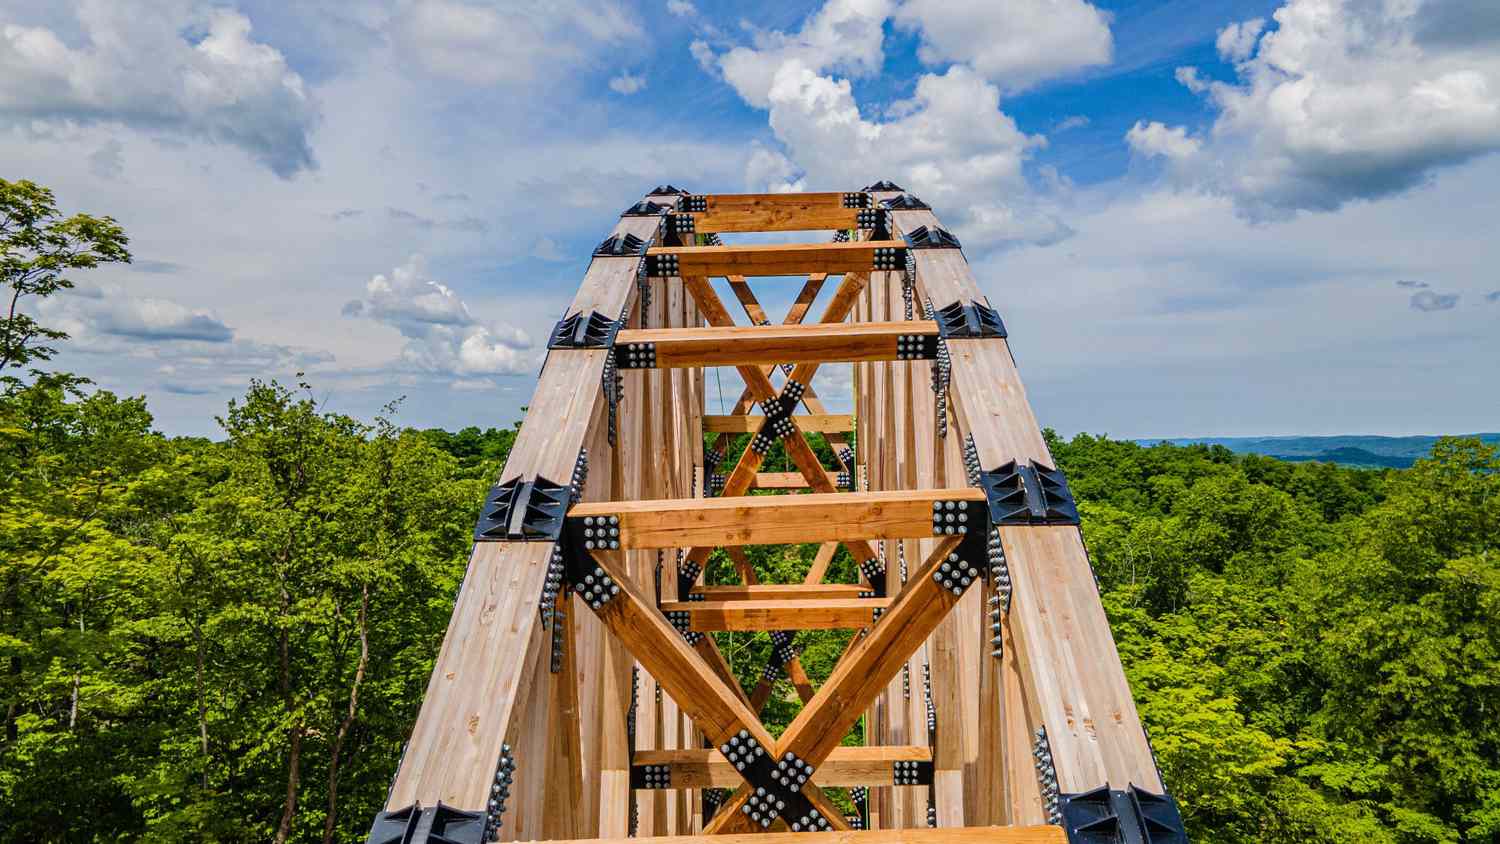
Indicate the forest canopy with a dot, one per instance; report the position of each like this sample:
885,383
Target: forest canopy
228,639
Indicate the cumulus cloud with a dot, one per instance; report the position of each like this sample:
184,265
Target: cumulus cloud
844,35
949,142
704,55
169,68
681,8
627,84
90,313
442,336
1076,121
1014,44
1237,41
1157,140
488,42
1347,100
108,161
1428,300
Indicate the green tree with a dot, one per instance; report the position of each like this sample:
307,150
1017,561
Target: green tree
37,247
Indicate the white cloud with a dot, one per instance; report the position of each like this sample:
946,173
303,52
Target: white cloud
172,67
93,313
1348,100
627,84
704,55
546,249
1237,41
681,8
442,336
1076,121
1156,139
492,42
1014,44
1188,78
1429,300
844,35
949,142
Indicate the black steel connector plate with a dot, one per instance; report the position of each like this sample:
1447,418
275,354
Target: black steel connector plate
522,510
577,331
438,824
972,321
923,237
1033,494
622,246
668,190
647,208
1133,816
884,186
906,202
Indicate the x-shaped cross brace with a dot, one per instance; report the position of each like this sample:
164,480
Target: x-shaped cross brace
779,774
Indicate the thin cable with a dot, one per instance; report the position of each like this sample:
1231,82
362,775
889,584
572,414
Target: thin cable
720,382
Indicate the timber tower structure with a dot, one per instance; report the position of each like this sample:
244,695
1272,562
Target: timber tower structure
579,693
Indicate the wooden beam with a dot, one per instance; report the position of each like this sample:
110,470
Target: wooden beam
792,259
960,835
771,212
822,423
740,345
804,614
481,669
845,766
779,591
772,519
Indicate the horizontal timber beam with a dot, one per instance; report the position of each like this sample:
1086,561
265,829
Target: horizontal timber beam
789,259
772,212
742,345
822,423
779,591
784,480
780,614
773,519
944,835
845,766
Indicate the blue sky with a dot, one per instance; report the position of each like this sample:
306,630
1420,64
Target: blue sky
1199,217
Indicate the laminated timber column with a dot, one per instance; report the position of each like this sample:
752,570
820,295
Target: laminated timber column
1066,657
492,658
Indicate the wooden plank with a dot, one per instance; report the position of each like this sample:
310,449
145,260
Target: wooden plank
965,835
779,614
743,345
789,259
778,591
821,423
845,766
772,519
769,212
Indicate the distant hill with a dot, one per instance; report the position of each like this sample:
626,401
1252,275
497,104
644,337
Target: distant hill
1360,451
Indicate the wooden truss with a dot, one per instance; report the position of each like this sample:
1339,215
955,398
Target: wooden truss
579,693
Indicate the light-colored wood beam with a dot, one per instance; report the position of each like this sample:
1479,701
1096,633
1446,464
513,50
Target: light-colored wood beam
773,519
779,591
771,212
780,614
961,835
790,259
743,345
821,423
845,766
